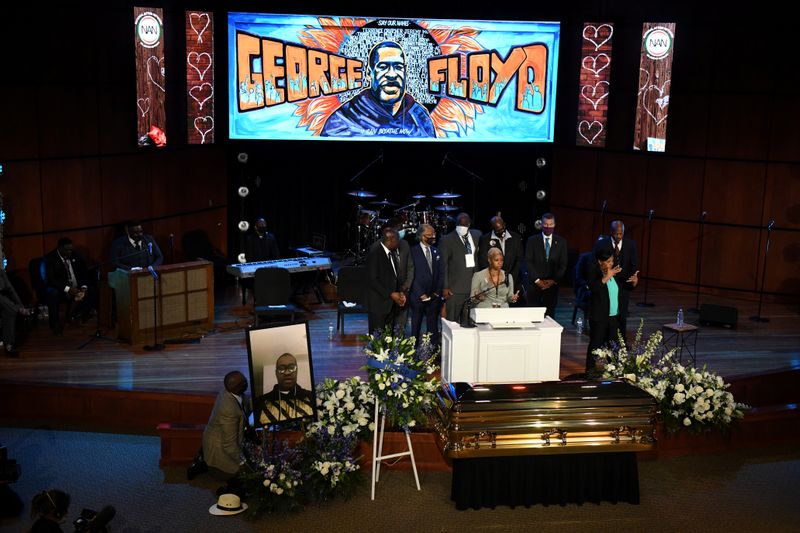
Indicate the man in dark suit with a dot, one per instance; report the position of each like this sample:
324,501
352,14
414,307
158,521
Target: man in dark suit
546,259
385,296
10,307
507,241
135,249
261,245
459,251
426,289
67,280
287,400
406,265
624,251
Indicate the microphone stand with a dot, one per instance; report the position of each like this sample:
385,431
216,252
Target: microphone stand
98,334
464,320
155,346
758,317
377,157
650,214
698,270
603,218
475,179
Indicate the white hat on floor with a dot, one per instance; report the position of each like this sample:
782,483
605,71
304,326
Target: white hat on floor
227,504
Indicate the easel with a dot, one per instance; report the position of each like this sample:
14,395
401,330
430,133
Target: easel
377,450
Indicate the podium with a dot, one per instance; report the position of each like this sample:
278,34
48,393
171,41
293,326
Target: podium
507,346
184,296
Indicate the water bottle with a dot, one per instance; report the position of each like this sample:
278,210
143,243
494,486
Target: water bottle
330,331
679,322
579,324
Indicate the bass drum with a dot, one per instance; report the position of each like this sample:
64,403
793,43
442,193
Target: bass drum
366,217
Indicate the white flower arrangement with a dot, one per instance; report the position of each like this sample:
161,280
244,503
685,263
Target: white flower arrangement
687,397
400,376
346,405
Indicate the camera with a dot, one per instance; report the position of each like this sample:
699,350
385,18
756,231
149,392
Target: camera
9,469
93,521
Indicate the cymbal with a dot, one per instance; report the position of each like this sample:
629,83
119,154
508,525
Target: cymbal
362,194
447,208
446,196
384,203
418,196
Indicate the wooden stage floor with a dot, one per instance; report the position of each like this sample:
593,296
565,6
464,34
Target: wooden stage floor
752,348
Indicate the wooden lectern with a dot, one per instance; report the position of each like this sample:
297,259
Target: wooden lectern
185,300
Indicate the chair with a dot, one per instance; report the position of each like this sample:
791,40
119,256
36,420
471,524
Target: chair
350,287
271,291
581,287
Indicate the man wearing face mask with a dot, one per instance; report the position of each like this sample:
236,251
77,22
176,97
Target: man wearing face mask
546,259
261,245
459,251
425,298
507,241
135,249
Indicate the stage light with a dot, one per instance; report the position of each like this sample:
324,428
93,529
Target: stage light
541,162
244,226
2,168
241,257
2,216
243,191
242,157
541,195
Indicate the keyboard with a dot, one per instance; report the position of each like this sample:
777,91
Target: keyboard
293,265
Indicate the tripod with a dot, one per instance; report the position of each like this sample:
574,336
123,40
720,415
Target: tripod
650,214
758,317
98,333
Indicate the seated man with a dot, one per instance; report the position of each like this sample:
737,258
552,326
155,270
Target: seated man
10,307
67,281
287,400
224,433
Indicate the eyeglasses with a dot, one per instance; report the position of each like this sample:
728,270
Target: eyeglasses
288,369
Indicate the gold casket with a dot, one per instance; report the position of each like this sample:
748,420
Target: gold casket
558,417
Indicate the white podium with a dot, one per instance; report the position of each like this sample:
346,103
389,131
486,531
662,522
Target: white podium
506,346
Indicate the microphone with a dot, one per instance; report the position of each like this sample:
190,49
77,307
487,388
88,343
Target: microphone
152,272
650,215
150,248
101,519
771,223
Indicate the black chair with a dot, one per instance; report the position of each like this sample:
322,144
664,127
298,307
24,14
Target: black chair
271,292
350,287
38,275
581,287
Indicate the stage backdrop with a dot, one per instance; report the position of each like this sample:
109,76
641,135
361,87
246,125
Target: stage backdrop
314,77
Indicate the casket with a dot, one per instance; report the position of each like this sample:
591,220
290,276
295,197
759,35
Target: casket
559,417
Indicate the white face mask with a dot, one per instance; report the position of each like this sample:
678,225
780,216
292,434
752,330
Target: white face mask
401,233
462,230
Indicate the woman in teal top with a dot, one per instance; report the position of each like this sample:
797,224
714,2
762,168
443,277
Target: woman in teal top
603,304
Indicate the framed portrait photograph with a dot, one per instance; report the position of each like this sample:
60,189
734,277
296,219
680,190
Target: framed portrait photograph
281,376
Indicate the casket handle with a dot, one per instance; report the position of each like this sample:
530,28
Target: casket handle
561,433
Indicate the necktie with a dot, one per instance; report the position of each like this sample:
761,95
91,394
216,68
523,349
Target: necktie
467,245
547,248
616,248
428,258
70,273
393,257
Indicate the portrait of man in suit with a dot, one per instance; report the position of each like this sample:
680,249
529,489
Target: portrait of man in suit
280,370
546,259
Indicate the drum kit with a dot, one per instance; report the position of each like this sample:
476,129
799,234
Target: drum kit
370,219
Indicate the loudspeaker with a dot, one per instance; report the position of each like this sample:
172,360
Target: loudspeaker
720,315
